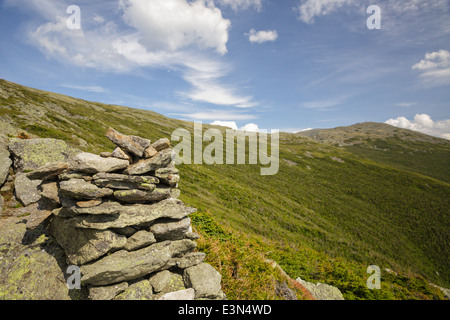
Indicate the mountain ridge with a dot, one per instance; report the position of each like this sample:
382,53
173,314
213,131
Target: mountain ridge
391,145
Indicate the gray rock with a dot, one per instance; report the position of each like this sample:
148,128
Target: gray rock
150,152
107,292
91,163
140,290
190,260
192,235
169,176
71,209
120,216
126,231
120,154
123,265
84,245
31,154
174,283
142,196
2,203
160,160
49,191
161,144
89,203
171,230
321,291
36,217
160,280
80,189
147,187
186,294
116,177
121,185
205,280
139,240
284,291
74,175
5,164
135,145
49,171
26,190
27,272
105,154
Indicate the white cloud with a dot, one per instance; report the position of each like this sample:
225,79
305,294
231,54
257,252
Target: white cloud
433,60
435,68
228,124
241,4
84,48
294,130
249,127
262,36
171,25
310,9
423,123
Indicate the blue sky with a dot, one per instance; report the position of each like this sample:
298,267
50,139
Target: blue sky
287,65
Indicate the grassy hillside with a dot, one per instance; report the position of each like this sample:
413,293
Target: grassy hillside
327,215
404,149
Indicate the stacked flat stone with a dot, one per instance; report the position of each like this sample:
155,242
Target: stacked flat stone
122,224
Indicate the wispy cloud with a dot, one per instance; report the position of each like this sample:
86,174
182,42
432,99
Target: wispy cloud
435,68
84,88
189,37
310,9
237,5
405,104
325,105
204,75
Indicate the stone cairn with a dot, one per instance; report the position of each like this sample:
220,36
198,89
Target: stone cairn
121,223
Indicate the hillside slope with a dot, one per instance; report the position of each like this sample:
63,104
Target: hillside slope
326,215
401,148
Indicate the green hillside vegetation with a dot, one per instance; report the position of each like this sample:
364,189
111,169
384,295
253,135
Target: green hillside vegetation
404,149
328,214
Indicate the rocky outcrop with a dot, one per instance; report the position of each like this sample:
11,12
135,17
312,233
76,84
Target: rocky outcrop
116,216
5,163
32,266
26,190
31,154
321,291
120,221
